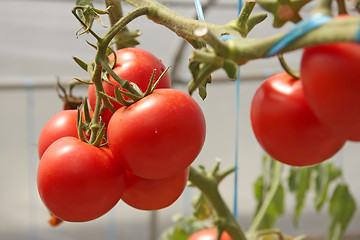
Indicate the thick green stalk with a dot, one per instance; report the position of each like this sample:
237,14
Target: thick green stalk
124,38
115,10
96,79
339,30
183,26
208,184
115,14
241,50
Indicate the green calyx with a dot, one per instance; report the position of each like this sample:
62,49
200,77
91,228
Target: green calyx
86,128
87,13
283,10
121,94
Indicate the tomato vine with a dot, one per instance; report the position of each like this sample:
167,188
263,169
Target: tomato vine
220,54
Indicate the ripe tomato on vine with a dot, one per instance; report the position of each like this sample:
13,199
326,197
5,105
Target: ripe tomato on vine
286,127
330,75
136,66
159,135
154,194
79,182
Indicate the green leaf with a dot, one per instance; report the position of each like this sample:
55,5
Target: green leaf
202,88
262,188
326,173
175,233
278,200
231,68
201,208
90,69
201,76
82,64
84,2
259,188
341,210
87,13
184,228
299,184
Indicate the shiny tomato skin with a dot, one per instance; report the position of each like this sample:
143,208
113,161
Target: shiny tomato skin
159,135
134,65
209,234
154,194
79,182
62,124
331,81
285,126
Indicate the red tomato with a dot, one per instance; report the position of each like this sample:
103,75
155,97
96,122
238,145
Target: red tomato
62,124
159,135
285,126
153,194
79,182
209,234
331,80
134,65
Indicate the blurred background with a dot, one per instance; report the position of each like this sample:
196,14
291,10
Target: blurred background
37,43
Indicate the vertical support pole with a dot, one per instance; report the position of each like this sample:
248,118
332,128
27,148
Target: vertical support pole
153,225
31,157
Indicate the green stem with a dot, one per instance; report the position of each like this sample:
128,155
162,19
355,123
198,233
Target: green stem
242,50
286,67
339,30
268,199
183,26
123,83
96,79
115,10
324,7
119,25
82,22
208,184
115,14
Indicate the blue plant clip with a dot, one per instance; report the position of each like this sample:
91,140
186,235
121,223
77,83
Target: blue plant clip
227,37
357,35
199,10
299,30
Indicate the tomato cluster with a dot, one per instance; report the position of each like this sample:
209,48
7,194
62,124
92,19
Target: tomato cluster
305,121
151,145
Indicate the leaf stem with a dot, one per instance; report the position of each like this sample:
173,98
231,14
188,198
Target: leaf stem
286,67
324,7
82,22
208,184
119,25
267,201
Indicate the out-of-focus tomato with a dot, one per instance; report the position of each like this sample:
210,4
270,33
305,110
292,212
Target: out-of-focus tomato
331,79
209,234
286,127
